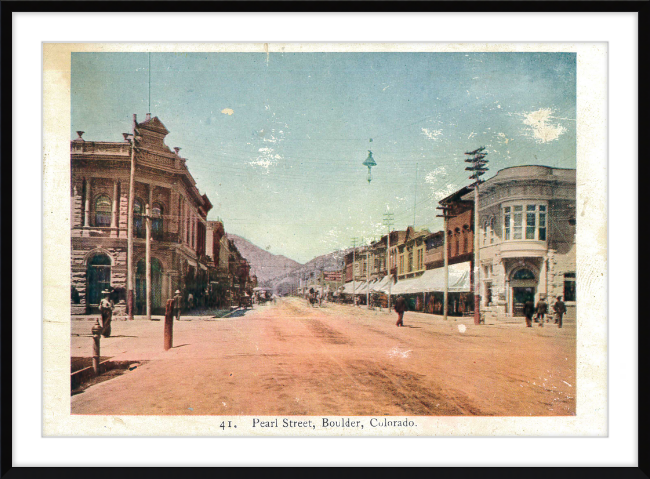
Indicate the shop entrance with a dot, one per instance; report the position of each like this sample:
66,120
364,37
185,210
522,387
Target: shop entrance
520,296
524,286
98,276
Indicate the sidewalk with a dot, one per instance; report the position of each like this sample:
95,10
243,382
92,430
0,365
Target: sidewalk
189,315
438,318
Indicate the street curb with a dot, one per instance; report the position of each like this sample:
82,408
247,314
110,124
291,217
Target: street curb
82,376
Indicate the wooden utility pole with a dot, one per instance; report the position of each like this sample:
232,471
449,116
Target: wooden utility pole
368,278
478,169
148,261
354,279
129,228
388,221
445,214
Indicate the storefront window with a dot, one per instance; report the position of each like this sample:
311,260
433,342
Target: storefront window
569,286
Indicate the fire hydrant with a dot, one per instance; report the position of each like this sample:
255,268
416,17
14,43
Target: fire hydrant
96,331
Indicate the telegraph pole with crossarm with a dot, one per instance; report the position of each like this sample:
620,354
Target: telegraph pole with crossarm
388,221
478,168
445,214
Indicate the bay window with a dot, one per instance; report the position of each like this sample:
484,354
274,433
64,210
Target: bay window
526,221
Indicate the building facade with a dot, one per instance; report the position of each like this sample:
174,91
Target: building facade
410,254
99,202
527,238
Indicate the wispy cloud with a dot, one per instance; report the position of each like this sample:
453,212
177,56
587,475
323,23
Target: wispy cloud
266,158
541,127
438,180
432,134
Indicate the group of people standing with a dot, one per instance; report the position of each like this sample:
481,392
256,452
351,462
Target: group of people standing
315,296
540,311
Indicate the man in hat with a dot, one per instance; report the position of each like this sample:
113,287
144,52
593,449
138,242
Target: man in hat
178,300
106,310
542,309
560,308
400,307
529,310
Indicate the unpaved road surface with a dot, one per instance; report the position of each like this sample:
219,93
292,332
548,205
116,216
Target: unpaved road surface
291,359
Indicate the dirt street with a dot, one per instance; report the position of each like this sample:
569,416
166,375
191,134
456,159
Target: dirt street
291,359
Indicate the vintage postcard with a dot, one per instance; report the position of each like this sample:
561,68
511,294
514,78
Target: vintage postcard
325,239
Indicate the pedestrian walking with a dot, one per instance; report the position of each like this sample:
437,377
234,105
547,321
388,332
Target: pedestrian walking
106,310
190,301
178,304
529,310
400,307
542,309
560,308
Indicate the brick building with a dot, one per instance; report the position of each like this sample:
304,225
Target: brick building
410,254
99,202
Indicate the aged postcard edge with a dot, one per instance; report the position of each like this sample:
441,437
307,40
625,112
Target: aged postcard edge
591,132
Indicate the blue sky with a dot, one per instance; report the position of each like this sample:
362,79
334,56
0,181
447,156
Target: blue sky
277,143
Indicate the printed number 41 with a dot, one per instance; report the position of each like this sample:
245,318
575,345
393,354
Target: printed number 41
225,424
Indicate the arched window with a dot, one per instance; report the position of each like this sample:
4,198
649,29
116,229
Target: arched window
157,222
524,274
138,219
103,211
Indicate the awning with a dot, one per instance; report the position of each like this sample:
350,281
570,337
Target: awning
347,289
433,280
381,286
405,286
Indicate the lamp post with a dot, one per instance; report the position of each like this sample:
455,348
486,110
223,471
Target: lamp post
370,162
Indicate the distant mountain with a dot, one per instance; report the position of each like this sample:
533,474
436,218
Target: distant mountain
264,265
327,262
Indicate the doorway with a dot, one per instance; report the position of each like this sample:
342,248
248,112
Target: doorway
519,297
98,276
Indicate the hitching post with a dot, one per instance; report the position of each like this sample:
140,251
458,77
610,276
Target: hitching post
169,324
96,332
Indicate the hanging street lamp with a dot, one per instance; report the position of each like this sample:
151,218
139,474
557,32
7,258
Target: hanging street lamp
370,162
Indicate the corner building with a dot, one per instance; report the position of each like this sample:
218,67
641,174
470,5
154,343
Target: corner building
99,202
527,226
